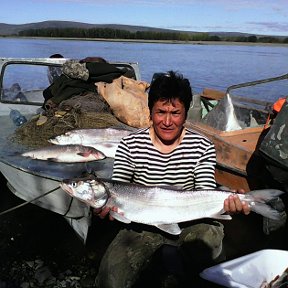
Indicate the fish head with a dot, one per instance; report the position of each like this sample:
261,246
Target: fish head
57,140
88,190
90,152
97,154
67,138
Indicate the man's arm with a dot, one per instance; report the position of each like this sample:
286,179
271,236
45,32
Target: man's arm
205,170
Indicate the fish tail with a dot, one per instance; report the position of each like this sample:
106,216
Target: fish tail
259,200
265,195
266,211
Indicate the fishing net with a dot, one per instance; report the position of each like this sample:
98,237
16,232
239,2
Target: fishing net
79,112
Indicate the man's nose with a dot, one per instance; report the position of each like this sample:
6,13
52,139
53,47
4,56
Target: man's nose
167,119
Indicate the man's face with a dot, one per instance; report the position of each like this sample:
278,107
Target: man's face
168,118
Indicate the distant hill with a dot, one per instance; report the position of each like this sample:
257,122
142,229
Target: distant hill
14,29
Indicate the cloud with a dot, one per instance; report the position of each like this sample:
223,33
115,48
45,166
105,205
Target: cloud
278,5
101,2
271,26
247,27
227,3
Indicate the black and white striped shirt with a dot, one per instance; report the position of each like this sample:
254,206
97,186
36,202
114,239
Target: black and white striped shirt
191,165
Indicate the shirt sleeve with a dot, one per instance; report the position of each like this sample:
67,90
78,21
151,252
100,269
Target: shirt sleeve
123,168
205,169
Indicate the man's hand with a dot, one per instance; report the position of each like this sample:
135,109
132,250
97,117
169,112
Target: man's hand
233,204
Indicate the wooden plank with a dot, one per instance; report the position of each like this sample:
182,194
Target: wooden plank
233,150
212,94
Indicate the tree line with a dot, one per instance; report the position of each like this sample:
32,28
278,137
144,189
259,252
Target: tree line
110,33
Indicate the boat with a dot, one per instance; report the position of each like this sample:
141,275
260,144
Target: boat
235,125
36,181
238,126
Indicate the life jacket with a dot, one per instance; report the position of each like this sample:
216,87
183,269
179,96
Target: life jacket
276,107
278,104
275,143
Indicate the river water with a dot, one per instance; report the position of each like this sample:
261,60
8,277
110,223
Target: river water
212,66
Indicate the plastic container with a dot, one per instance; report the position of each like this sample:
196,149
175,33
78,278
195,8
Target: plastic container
17,118
251,270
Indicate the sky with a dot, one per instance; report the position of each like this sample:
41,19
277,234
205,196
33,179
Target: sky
261,17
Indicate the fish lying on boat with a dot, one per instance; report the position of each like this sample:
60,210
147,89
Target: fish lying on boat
102,139
159,206
65,153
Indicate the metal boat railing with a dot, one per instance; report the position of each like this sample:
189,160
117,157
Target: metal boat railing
253,83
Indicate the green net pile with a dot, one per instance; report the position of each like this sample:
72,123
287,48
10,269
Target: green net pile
80,112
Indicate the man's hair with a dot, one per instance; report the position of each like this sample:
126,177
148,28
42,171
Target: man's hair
170,86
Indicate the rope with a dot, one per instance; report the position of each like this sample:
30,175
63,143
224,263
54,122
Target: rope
28,202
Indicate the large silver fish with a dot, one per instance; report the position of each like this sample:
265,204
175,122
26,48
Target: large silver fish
65,153
161,206
103,139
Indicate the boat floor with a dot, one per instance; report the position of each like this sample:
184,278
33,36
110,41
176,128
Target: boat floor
235,152
244,141
10,153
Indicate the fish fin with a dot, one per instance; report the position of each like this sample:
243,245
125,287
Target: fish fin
221,216
172,228
258,201
119,217
83,154
178,188
264,195
265,210
53,159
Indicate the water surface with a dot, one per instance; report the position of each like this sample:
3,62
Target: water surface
213,66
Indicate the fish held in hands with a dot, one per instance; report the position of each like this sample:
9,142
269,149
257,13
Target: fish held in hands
162,207
65,153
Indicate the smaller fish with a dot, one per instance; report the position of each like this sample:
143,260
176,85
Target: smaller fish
65,153
84,136
103,139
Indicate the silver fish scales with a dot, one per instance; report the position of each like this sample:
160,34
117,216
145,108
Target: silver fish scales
105,140
162,207
65,153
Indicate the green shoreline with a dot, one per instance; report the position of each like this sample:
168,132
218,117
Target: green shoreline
154,41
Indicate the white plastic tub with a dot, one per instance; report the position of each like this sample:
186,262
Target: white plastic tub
250,270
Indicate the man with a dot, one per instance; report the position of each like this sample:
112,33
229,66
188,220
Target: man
54,72
166,154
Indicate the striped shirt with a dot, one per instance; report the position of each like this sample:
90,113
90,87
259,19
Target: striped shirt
191,165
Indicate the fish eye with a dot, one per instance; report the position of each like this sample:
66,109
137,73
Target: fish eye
74,184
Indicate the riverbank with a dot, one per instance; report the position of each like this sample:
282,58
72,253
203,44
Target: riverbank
154,41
